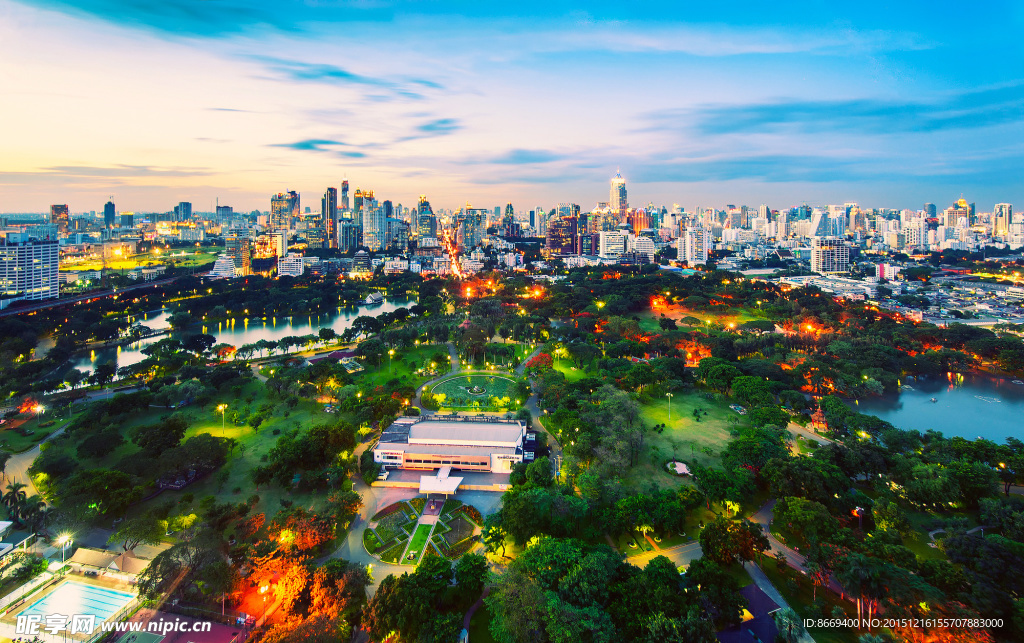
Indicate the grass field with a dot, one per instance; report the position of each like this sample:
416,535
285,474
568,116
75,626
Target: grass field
566,367
403,366
235,474
684,437
419,539
456,388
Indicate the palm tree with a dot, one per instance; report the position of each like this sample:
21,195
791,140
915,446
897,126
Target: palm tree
14,496
31,511
789,624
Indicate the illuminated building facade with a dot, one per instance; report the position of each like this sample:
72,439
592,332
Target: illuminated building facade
426,222
829,256
617,199
283,206
60,217
236,246
488,444
109,215
28,267
329,217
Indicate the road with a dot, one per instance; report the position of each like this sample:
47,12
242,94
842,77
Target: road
764,517
680,555
91,296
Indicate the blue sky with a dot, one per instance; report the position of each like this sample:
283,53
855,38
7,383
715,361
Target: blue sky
887,104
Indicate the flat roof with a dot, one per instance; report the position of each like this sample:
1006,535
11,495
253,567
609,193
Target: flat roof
469,432
445,449
461,430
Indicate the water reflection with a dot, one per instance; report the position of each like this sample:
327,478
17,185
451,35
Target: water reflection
249,332
962,404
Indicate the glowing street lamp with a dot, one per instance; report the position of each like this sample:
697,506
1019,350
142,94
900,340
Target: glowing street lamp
63,542
222,408
391,353
669,396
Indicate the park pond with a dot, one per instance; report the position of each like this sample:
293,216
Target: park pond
967,405
236,332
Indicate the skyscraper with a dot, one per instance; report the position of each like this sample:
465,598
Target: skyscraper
237,247
929,210
109,215
617,200
329,217
184,211
283,206
426,223
374,226
561,236
60,217
692,246
1002,217
344,195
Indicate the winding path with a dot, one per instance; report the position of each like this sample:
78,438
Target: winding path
795,559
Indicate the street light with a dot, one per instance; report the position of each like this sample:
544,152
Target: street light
391,354
63,542
222,408
669,396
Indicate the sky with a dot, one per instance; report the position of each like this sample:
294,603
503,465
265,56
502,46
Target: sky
888,104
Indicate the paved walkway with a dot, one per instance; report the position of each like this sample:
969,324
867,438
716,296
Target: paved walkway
795,559
474,607
17,467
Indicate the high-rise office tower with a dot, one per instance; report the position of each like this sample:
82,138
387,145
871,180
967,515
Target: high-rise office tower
224,211
374,226
1002,217
357,200
109,215
561,236
929,210
236,246
283,206
471,224
617,199
344,195
389,209
829,256
60,217
184,211
329,217
426,222
959,212
28,267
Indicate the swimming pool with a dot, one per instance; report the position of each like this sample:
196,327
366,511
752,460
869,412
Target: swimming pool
72,598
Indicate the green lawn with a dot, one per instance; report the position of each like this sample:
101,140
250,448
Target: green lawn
684,437
419,539
404,365
566,367
456,389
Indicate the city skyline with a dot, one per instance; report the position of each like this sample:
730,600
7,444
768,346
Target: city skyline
182,102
